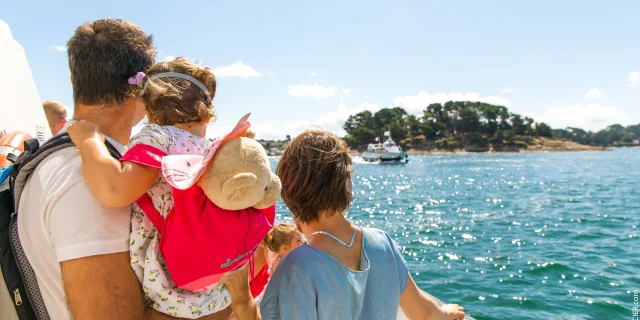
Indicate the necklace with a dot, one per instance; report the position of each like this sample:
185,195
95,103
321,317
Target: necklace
353,237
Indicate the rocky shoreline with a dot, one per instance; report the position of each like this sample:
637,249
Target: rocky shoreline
276,147
537,145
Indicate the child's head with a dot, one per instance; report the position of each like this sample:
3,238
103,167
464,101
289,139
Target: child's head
170,99
283,238
315,171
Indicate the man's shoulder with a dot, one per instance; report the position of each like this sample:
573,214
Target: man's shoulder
62,167
52,177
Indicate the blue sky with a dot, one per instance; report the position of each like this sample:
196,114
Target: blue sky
296,64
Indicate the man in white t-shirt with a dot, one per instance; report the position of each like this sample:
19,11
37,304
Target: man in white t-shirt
78,248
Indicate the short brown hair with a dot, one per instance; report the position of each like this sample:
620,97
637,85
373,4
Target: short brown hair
314,171
171,100
103,55
278,236
54,110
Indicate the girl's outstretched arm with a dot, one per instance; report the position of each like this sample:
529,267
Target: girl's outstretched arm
114,183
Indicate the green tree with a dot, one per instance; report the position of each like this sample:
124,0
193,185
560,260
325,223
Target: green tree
543,130
469,120
414,125
529,130
360,128
517,125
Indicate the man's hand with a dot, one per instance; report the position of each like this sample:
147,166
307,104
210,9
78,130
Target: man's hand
242,303
84,130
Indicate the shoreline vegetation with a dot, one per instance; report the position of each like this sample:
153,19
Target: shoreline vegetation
471,127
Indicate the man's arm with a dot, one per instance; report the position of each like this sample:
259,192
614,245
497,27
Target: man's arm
102,287
105,287
242,302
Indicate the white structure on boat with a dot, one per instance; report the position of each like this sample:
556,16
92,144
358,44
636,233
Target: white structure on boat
387,152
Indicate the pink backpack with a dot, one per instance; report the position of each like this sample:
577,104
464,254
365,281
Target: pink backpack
201,243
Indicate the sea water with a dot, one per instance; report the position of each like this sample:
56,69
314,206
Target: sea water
513,236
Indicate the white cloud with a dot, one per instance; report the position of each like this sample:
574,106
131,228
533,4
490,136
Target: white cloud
346,91
588,117
60,48
330,122
313,74
334,120
237,69
264,130
507,90
313,91
633,78
416,104
594,93
169,58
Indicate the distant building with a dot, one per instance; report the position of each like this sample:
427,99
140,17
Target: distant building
636,142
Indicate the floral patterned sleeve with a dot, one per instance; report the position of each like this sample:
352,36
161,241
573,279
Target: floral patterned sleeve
153,135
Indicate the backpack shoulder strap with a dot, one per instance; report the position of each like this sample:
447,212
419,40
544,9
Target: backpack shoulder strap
23,167
33,155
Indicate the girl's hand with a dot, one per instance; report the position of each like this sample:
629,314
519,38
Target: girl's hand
83,130
452,312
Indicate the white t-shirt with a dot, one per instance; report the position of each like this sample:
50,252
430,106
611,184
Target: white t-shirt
59,219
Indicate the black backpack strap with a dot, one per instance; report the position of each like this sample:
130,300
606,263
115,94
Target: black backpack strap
23,167
30,158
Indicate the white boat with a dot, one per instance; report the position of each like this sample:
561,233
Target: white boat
387,152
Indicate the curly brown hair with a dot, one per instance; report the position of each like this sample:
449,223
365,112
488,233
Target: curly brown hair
170,100
315,169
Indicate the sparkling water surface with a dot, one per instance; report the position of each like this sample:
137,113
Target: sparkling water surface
512,236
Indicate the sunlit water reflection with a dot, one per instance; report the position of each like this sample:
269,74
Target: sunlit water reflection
513,236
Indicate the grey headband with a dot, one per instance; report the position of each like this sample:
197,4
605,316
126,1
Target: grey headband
175,75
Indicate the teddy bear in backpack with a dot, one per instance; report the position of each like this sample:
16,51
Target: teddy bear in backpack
224,205
239,176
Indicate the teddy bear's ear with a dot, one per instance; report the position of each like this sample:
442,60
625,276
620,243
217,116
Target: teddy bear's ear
237,191
272,194
251,134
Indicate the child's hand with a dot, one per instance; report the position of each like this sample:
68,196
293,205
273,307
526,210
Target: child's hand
81,131
452,312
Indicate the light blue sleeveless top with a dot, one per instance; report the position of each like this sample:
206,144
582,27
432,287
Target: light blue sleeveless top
313,285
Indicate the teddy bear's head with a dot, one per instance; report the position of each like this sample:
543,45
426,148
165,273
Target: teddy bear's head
239,176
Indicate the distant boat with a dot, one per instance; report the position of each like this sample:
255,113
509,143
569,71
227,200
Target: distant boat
387,152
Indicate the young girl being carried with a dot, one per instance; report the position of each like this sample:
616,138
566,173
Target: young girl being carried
177,96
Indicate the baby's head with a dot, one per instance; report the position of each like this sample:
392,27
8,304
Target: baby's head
283,238
171,96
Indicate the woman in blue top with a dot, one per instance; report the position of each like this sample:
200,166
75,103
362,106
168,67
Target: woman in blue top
346,272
